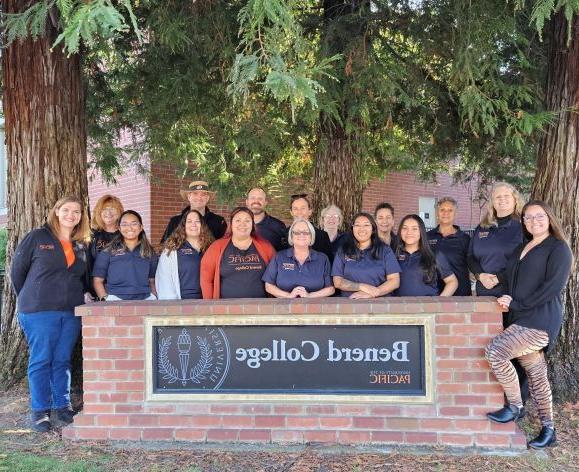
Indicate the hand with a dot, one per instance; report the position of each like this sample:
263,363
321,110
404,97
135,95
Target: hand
295,293
359,295
488,280
88,298
370,290
301,292
505,301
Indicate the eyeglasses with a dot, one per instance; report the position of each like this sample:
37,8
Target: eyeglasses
134,224
109,211
539,218
301,233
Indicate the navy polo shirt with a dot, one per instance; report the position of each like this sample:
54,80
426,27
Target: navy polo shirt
492,247
366,269
272,230
126,272
189,263
455,248
285,272
412,277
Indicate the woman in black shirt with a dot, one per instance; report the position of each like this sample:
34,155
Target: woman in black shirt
536,273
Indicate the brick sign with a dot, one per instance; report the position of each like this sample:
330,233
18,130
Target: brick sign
368,360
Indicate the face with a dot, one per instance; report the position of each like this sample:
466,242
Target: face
301,209
192,225
446,213
536,221
362,229
69,215
241,225
384,220
301,236
503,201
256,201
331,219
410,232
110,215
198,199
130,227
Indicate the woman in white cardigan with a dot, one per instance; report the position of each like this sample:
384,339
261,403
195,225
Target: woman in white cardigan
178,269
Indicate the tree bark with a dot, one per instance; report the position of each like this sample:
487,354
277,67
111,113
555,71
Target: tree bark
337,174
557,182
46,147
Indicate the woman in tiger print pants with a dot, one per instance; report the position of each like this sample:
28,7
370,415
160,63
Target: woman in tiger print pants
536,273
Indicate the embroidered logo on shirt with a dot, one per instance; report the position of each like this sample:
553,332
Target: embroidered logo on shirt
46,247
433,242
402,257
483,234
186,251
118,252
289,266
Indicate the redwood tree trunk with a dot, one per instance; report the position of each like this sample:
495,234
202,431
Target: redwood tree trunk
46,149
337,174
557,182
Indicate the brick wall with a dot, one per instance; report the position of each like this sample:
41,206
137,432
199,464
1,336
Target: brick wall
115,406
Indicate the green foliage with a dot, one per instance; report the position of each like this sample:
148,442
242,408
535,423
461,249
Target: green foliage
3,243
31,22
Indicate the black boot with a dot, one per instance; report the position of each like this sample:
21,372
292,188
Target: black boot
40,421
66,414
546,438
506,414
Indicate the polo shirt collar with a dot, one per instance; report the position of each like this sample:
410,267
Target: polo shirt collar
311,257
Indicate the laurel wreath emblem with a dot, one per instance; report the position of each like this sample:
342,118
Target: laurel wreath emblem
197,373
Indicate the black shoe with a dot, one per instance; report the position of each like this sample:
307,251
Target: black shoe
506,414
66,414
40,421
546,438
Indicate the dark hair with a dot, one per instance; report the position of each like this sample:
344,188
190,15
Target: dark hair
255,188
350,246
300,196
384,206
118,241
243,209
427,257
176,240
555,228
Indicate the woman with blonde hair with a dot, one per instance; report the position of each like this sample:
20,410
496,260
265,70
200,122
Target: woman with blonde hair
49,275
331,219
177,274
104,223
495,239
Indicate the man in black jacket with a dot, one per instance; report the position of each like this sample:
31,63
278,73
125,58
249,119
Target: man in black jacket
267,226
197,193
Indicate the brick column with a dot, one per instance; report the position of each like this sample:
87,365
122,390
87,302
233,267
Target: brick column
115,406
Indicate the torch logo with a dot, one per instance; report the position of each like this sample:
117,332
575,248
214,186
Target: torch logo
199,359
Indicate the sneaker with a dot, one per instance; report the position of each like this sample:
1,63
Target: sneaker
40,421
66,414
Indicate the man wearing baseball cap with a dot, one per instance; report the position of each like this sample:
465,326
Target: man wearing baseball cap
197,193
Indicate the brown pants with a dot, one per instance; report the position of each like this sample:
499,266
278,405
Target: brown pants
526,345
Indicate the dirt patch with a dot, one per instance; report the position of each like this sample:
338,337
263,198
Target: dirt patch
19,445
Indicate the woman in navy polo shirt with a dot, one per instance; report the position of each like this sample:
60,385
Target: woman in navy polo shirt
125,270
421,269
364,266
49,276
299,271
177,274
495,239
536,272
384,214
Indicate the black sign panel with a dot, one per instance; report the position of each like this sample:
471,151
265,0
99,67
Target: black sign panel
369,360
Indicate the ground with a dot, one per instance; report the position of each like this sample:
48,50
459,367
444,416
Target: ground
23,450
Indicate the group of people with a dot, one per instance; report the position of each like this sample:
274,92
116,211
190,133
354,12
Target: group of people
518,254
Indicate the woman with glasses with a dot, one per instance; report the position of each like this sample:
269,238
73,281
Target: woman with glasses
125,269
536,273
233,266
299,271
177,274
331,219
364,266
495,239
423,272
49,276
104,223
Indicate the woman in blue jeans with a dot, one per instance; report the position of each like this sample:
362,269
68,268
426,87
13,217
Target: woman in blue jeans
49,275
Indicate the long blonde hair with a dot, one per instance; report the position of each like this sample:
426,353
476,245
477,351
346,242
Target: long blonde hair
490,217
81,232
